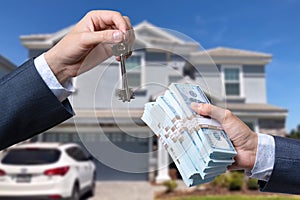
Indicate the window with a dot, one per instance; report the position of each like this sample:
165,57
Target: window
134,65
232,81
77,154
134,62
34,156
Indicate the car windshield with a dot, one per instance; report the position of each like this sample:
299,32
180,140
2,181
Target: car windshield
31,156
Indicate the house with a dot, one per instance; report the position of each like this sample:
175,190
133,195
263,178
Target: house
6,66
113,132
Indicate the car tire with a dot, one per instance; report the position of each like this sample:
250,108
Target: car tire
75,193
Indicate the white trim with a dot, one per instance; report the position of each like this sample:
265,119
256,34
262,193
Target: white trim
162,164
158,30
241,79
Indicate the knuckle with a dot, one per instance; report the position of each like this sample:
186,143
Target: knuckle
228,114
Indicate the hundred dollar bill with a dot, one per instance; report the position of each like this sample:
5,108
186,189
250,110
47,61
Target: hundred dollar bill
171,98
161,126
185,94
189,140
155,119
209,130
198,146
191,136
173,136
180,161
196,153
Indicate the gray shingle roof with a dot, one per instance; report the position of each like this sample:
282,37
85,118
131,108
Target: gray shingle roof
223,51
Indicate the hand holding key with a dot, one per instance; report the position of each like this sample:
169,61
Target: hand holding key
123,49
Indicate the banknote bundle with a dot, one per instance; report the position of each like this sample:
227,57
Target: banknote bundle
198,146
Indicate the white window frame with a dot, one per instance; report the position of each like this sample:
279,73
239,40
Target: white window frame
241,79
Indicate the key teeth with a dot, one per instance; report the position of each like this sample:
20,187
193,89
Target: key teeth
122,95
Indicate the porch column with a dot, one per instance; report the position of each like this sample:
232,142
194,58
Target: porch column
162,164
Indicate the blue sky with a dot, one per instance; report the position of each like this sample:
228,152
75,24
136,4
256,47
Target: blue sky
269,26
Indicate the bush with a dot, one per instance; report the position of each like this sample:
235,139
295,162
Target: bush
235,180
221,181
171,185
252,184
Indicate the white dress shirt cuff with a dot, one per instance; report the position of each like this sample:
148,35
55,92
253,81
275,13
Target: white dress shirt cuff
61,91
265,158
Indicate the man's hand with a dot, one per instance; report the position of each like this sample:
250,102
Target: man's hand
244,140
87,44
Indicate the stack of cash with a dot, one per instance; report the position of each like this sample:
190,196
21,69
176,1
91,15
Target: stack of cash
198,146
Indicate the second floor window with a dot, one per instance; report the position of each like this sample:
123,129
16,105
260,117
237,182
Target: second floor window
232,81
134,62
134,69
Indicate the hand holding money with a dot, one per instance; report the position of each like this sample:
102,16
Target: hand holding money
198,146
244,140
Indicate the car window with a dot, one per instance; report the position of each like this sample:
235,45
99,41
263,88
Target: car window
77,154
31,156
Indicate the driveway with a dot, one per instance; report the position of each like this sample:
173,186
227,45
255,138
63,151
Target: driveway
125,190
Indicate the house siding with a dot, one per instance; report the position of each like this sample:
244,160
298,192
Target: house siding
209,77
254,84
272,126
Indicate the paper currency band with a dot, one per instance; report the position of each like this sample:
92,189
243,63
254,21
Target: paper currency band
176,119
208,126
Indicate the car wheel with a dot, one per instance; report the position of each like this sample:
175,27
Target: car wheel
75,193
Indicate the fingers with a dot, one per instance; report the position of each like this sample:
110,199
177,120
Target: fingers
128,22
212,111
88,39
103,19
103,27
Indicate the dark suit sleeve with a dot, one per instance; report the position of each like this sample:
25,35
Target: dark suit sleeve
285,177
27,106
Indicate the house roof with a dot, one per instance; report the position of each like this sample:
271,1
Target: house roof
43,41
224,55
152,37
147,36
224,51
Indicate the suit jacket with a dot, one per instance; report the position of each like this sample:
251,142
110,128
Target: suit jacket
27,106
285,177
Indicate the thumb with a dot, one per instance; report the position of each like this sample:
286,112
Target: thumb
209,110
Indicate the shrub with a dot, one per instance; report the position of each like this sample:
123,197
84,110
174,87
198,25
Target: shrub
221,181
235,180
252,184
171,185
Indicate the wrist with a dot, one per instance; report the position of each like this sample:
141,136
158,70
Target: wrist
59,70
253,145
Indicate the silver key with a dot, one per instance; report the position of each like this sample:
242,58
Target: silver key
126,93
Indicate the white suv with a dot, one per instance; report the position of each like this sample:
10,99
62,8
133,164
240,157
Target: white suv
46,171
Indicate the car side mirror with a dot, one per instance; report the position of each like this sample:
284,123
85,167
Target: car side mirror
90,157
